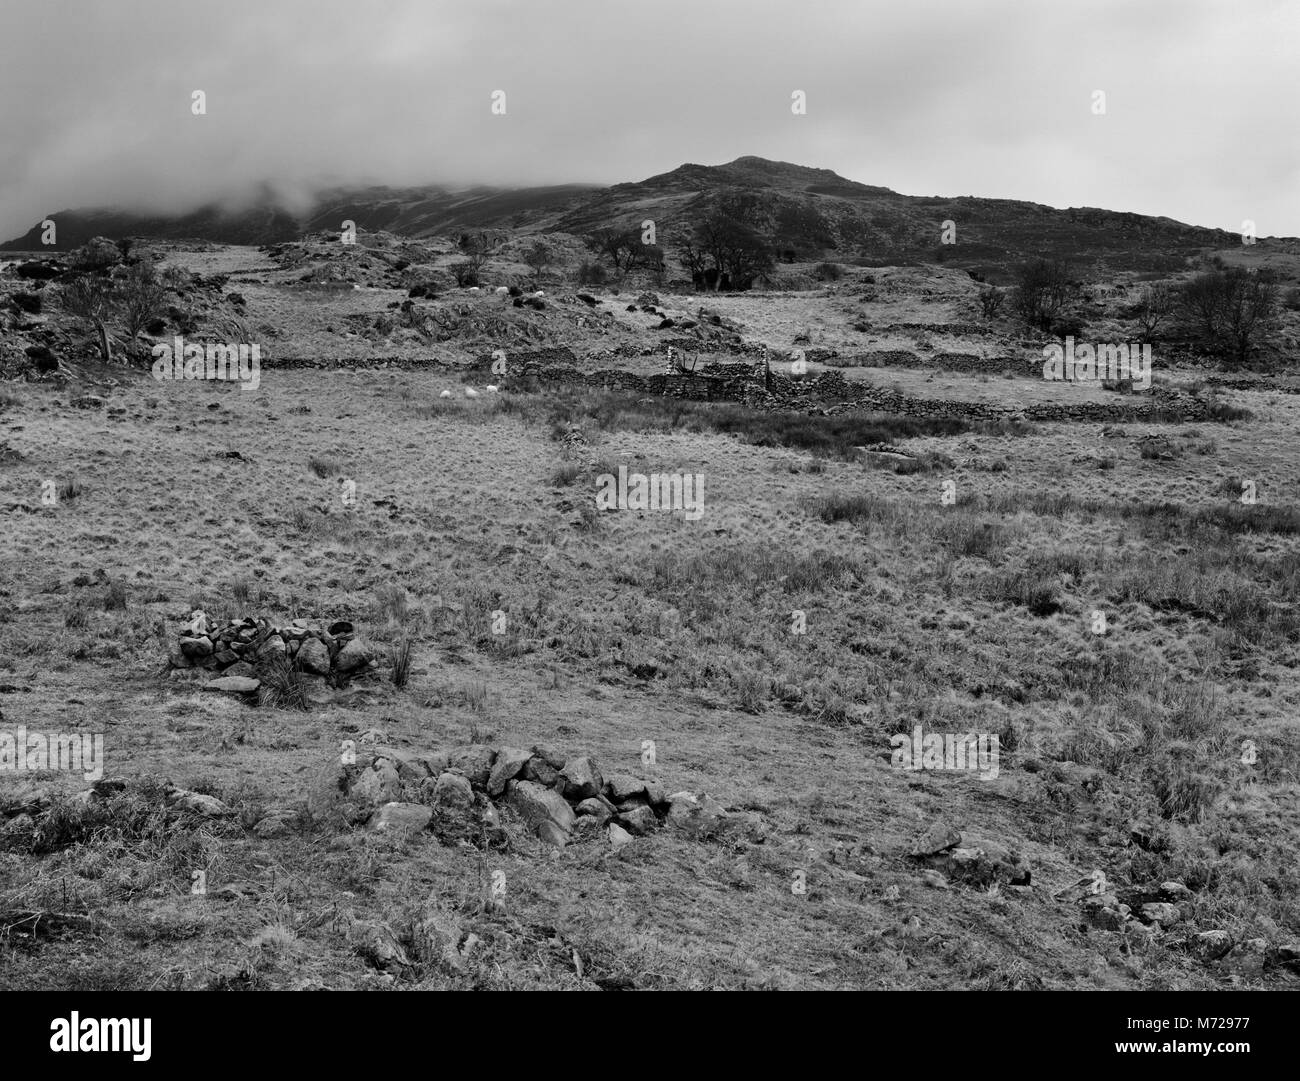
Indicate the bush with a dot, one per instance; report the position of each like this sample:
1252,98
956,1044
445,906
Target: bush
991,301
98,253
465,273
1042,292
590,273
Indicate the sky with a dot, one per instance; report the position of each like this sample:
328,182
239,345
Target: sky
993,98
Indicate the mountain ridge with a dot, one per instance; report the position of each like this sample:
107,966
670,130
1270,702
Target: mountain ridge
802,211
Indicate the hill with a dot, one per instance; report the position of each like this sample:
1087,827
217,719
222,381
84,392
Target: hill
803,212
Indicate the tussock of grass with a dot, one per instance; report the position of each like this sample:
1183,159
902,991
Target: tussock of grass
284,685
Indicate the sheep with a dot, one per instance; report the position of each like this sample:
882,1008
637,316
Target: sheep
470,392
501,291
445,394
490,389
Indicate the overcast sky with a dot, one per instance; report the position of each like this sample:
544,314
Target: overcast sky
928,97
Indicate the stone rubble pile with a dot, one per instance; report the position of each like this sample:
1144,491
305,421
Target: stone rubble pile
231,651
456,795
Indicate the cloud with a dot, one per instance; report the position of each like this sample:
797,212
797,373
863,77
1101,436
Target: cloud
930,97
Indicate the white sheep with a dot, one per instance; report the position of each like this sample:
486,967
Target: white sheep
445,394
470,392
501,291
490,389
539,293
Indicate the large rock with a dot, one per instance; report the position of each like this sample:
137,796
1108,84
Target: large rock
452,792
621,787
209,806
1211,945
549,754
376,785
354,656
399,816
314,657
509,763
1246,960
538,805
475,761
939,837
196,648
697,816
639,821
1160,912
539,770
582,779
981,862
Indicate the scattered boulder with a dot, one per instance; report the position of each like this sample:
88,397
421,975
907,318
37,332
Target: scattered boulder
539,770
622,787
938,838
453,792
356,654
639,821
313,656
1210,946
538,805
209,806
582,779
509,763
377,784
399,816
1161,912
475,762
1246,959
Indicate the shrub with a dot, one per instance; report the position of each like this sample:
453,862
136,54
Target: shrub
991,301
590,273
465,273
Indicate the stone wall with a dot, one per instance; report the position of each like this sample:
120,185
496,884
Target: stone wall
230,652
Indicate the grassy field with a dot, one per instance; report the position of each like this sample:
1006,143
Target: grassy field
1119,619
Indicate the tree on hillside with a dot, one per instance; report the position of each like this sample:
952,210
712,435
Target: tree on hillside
1230,309
88,298
131,298
1043,290
539,257
727,238
1153,308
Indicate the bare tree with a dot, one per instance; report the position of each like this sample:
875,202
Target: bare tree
1042,292
1230,309
539,257
1153,308
131,300
138,297
88,298
991,301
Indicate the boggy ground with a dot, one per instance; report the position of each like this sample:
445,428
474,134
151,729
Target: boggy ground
621,627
